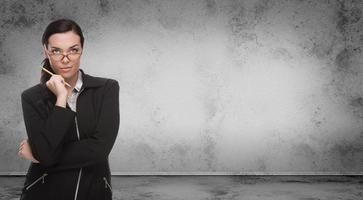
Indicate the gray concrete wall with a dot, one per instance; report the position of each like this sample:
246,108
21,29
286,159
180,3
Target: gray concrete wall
207,86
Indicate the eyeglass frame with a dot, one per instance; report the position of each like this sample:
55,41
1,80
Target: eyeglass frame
63,56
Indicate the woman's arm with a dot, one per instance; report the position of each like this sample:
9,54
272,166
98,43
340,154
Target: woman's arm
26,152
95,149
45,134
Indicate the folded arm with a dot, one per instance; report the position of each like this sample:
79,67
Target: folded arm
46,135
96,148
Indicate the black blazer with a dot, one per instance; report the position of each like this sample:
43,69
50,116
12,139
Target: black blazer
65,160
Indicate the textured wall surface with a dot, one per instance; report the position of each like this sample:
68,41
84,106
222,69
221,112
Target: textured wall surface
227,86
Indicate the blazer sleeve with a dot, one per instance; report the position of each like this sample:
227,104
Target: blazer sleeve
95,149
45,134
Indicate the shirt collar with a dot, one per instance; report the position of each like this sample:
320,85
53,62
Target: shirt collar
85,81
79,82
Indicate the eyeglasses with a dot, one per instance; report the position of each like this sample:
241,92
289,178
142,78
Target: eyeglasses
58,55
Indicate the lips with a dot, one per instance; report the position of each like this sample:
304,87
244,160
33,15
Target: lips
65,69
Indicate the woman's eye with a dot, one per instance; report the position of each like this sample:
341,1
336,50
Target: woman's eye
56,51
74,50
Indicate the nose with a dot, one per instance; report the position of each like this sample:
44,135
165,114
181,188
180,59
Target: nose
65,59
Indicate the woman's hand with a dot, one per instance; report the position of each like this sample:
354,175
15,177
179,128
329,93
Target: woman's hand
26,152
56,84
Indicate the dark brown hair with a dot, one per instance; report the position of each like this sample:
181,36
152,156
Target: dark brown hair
58,26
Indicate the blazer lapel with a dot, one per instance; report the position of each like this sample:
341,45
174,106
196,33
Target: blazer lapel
91,81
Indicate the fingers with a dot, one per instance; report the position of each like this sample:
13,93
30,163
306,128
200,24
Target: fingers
25,152
21,147
23,141
57,85
21,153
55,80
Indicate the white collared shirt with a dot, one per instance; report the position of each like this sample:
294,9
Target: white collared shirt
72,99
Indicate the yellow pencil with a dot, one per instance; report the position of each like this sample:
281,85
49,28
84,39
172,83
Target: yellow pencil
54,74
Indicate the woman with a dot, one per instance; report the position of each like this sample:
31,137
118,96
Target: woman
72,121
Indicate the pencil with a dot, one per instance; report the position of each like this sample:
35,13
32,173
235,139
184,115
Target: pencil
54,74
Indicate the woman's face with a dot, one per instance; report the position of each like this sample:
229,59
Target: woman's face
64,52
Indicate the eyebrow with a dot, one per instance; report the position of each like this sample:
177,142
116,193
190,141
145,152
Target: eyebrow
68,48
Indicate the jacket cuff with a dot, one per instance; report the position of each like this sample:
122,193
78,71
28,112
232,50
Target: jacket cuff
64,111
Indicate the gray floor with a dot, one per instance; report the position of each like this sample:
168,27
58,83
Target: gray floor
221,187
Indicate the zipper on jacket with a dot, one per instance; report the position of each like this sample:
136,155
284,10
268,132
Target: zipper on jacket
79,178
80,170
78,136
36,181
107,184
